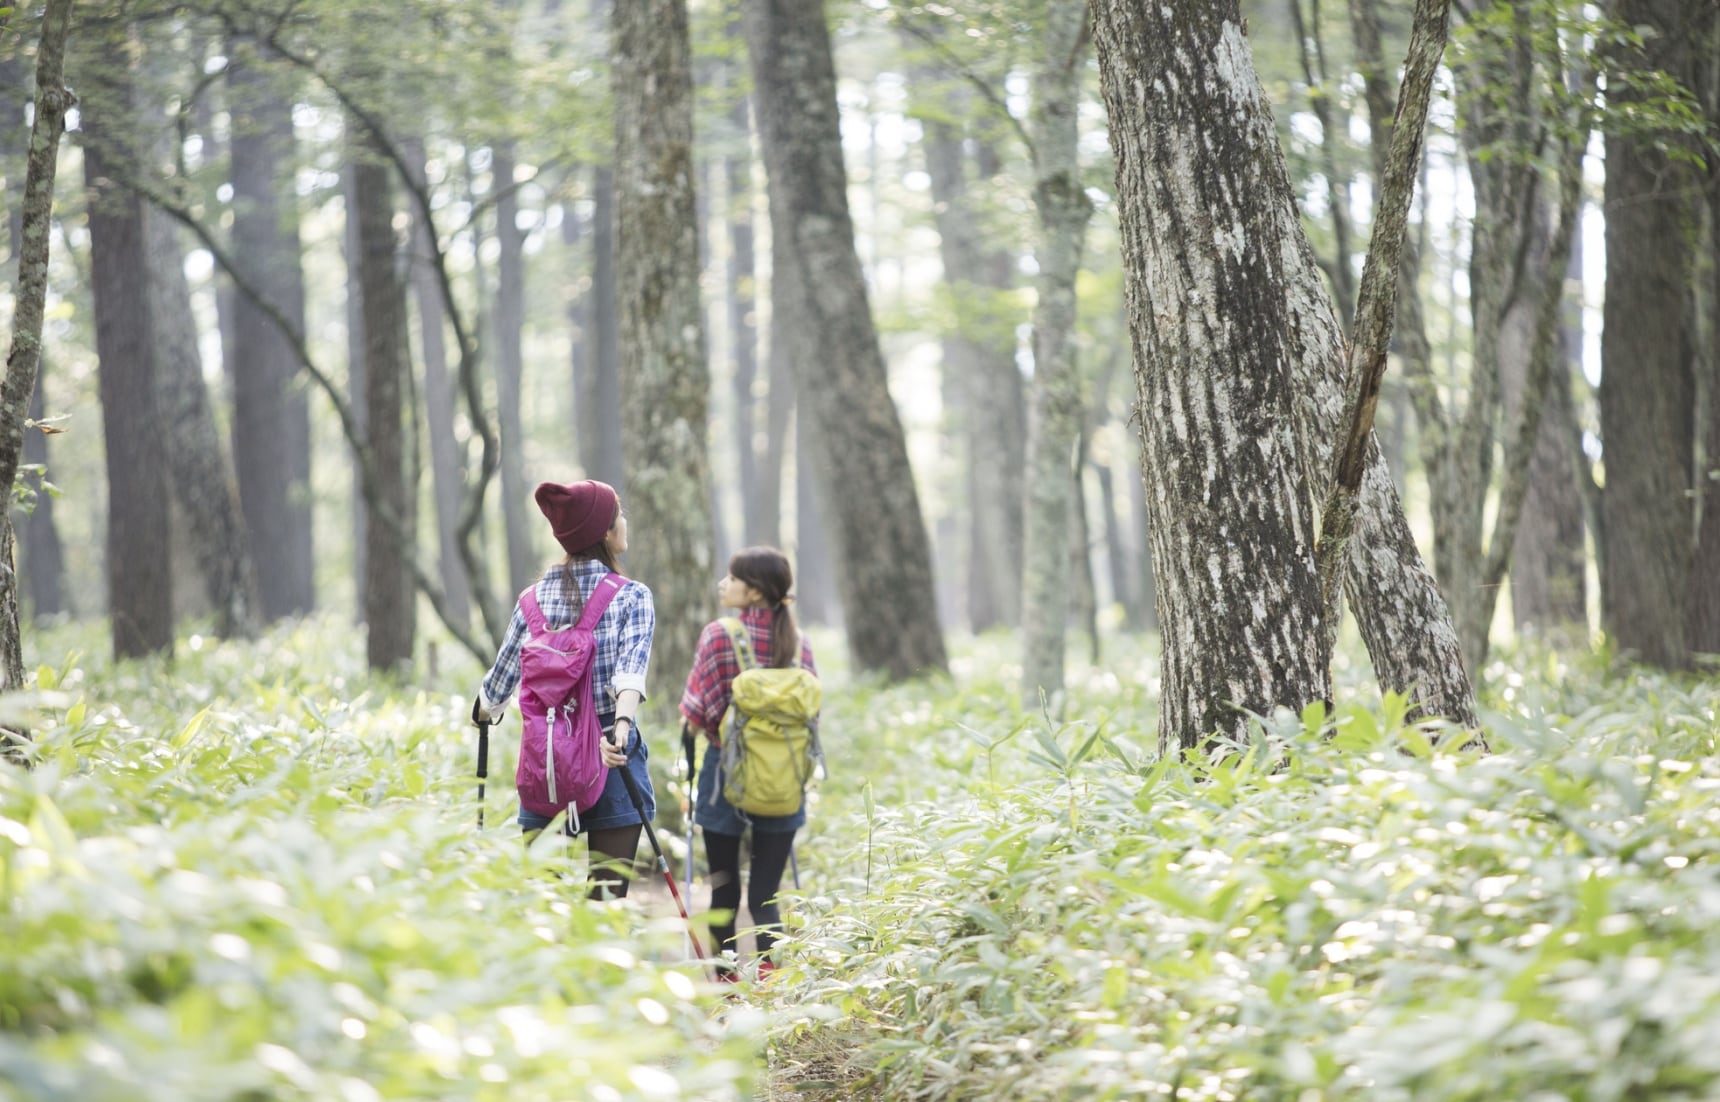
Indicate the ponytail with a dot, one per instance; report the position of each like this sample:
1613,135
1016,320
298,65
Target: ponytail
784,637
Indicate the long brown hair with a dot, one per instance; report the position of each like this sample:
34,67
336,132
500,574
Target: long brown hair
599,551
766,569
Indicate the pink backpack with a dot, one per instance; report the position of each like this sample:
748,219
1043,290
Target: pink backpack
559,761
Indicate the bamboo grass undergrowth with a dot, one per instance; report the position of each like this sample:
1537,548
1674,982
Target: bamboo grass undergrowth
1343,907
254,874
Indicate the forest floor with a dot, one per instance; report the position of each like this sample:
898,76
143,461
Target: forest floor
252,872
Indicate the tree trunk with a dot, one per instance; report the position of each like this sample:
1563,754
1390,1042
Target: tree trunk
1647,388
138,562
1147,618
997,431
43,558
355,383
605,459
271,416
1548,564
574,232
201,472
1053,478
1084,593
882,556
445,472
664,374
960,571
814,570
779,416
1116,546
1704,623
389,594
1203,203
741,300
1507,267
1704,605
29,296
509,331
980,355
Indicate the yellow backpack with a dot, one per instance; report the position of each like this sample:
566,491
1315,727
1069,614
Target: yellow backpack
770,750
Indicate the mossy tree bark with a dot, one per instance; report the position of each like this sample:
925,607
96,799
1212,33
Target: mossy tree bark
665,378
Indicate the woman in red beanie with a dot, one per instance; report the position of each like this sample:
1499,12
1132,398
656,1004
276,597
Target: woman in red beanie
587,520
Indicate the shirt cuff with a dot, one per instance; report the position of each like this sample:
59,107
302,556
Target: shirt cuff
493,707
625,681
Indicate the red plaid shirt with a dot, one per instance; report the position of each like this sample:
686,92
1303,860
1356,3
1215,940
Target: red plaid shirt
715,667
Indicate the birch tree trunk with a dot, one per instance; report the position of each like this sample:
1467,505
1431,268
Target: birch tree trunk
1053,472
35,229
664,374
881,555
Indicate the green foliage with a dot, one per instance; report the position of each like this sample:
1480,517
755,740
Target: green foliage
31,483
1346,907
256,875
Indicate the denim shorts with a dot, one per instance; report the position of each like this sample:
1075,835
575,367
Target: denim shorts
614,808
718,816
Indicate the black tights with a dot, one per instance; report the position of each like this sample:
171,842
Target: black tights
612,853
769,857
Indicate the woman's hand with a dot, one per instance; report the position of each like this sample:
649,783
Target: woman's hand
614,747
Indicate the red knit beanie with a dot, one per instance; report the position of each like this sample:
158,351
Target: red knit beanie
580,513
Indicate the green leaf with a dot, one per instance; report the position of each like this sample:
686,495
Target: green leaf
190,730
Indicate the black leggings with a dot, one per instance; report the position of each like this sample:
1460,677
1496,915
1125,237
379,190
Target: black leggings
769,857
612,854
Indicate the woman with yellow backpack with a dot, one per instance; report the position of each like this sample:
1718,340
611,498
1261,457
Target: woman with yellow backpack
755,669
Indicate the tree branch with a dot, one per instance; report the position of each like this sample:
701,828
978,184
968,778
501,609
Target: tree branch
53,100
961,69
1522,445
1378,301
368,480
489,461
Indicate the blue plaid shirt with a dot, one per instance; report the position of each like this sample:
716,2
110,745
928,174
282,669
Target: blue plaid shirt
623,638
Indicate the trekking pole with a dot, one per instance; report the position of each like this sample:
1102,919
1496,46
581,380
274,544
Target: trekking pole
794,867
662,862
483,726
692,800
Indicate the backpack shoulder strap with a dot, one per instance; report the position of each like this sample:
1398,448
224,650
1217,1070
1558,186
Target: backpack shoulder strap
741,641
535,623
607,587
